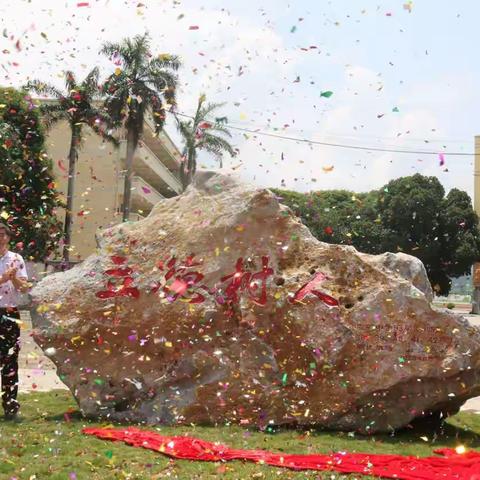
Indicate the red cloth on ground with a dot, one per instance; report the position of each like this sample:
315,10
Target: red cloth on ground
450,466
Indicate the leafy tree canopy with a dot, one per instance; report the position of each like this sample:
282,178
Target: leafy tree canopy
409,214
28,198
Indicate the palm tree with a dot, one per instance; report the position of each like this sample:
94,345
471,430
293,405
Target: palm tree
136,87
201,134
78,107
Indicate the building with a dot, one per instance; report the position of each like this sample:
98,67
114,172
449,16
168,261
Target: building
476,206
99,180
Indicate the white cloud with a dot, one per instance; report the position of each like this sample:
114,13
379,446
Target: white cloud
251,63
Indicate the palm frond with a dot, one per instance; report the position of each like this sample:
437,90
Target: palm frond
185,128
166,83
209,108
110,48
108,137
132,52
143,83
90,83
216,145
44,89
116,104
166,61
220,128
70,81
52,113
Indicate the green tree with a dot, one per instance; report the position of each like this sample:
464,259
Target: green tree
28,198
339,216
460,234
78,107
409,214
200,133
441,231
138,85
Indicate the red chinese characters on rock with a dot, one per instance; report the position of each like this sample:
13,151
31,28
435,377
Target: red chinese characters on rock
121,283
310,287
243,281
184,282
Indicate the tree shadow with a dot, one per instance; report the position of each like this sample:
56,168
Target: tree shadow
439,432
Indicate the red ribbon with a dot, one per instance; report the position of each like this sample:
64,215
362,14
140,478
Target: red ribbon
450,466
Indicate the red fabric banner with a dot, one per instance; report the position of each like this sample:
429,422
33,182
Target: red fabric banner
451,465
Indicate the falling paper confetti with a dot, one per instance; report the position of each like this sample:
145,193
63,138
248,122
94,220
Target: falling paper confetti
326,94
441,157
61,165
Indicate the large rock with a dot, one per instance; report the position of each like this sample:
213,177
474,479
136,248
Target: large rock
408,267
380,358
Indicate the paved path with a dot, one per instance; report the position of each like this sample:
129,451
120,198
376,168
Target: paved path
473,403
36,371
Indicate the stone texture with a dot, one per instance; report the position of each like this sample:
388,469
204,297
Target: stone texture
379,359
408,267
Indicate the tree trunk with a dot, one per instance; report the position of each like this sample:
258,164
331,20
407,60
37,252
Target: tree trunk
183,174
72,164
132,142
187,170
190,167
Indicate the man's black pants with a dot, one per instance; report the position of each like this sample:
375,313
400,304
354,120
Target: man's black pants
9,348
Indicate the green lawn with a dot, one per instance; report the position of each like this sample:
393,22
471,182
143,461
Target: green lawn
48,444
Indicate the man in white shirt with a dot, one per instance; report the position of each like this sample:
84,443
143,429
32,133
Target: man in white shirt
13,280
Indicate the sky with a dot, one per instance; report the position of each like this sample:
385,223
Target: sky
403,74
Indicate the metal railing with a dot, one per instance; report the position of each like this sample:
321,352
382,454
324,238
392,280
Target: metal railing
153,197
172,181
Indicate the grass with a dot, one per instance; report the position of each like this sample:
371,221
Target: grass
48,444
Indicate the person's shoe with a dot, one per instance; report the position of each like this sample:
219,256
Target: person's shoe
12,417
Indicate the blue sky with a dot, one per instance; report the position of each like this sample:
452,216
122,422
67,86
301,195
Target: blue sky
374,56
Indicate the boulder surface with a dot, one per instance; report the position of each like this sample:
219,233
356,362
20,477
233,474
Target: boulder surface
221,307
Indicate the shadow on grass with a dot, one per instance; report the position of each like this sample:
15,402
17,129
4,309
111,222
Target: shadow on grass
460,429
73,416
441,432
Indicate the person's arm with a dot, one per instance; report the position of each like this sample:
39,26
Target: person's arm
20,276
4,278
20,283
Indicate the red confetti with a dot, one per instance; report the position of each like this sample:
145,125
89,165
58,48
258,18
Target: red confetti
117,260
193,27
119,272
61,165
328,230
83,4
